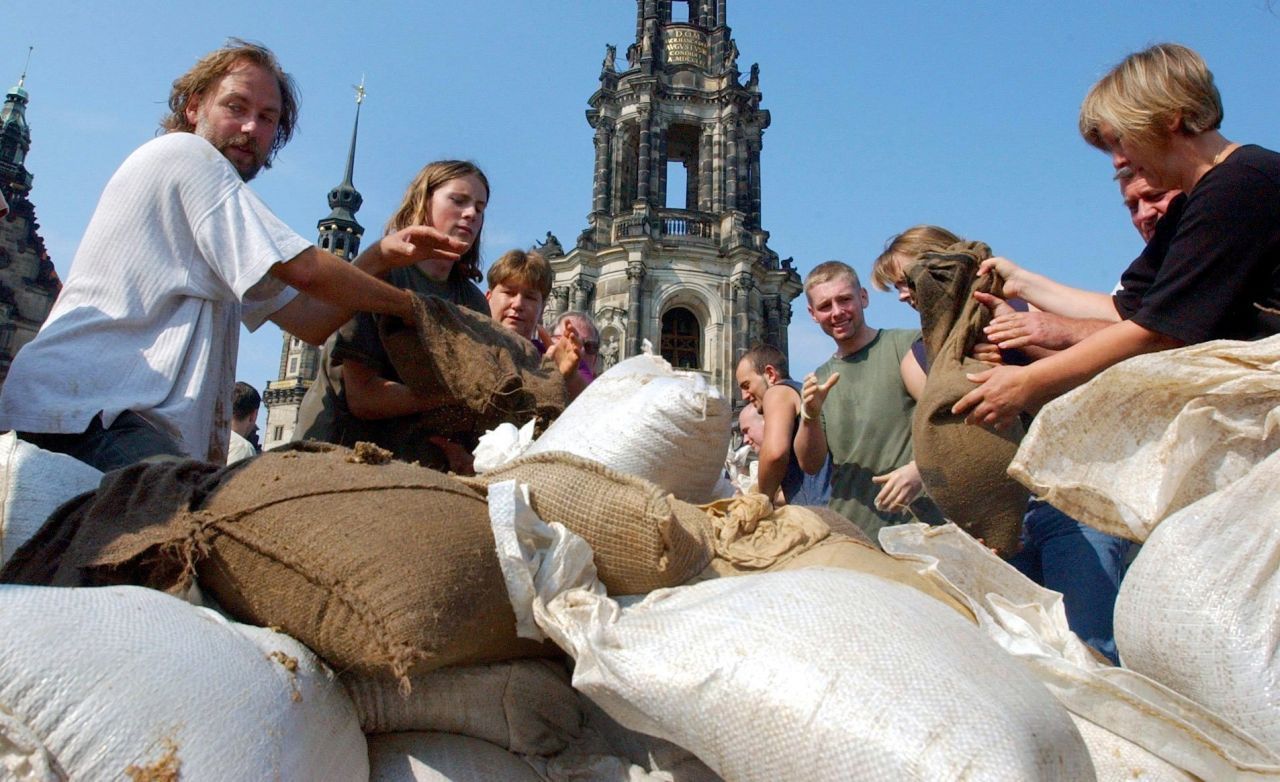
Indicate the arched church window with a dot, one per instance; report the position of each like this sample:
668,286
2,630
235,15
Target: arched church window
681,343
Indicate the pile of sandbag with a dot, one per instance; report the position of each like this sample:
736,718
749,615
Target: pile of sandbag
1160,733
790,675
1179,449
650,421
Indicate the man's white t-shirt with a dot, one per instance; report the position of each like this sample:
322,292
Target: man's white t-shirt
176,255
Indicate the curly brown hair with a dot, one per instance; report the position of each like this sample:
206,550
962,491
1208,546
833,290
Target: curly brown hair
218,63
415,209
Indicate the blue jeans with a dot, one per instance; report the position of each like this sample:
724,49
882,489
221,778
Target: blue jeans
1085,565
129,439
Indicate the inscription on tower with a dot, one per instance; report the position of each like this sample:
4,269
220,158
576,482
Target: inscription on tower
686,46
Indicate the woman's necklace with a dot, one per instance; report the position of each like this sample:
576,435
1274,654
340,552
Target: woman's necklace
1222,155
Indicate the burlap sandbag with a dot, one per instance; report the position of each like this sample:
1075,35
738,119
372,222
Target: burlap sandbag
750,535
643,538
525,706
377,567
963,467
485,373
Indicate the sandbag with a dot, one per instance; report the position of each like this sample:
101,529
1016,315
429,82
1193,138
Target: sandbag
1155,433
643,538
376,565
1199,609
379,568
124,682
1030,622
963,467
1116,759
33,482
483,374
442,757
645,419
525,706
752,536
798,675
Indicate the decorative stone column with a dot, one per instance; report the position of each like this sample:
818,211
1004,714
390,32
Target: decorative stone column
559,300
582,294
635,310
600,187
731,189
771,319
784,317
742,286
706,156
644,171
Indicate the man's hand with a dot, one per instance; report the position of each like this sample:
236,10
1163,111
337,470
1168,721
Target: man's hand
1014,276
1031,329
987,352
565,350
1003,393
418,243
898,488
813,394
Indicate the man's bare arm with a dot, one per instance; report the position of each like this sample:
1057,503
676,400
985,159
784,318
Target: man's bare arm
334,290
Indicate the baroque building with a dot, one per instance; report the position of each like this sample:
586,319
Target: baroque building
28,281
675,251
340,234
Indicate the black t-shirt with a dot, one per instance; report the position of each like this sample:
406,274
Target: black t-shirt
1212,269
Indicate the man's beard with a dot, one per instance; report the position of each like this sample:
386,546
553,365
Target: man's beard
238,140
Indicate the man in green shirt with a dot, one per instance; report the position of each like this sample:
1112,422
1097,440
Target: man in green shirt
856,408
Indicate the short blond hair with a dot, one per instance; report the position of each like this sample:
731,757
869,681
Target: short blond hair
1141,97
910,244
522,269
829,270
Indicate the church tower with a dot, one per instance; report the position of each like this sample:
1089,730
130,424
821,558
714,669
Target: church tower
28,282
340,234
675,251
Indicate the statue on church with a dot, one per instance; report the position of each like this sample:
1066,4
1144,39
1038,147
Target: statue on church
633,55
753,81
609,352
731,56
549,247
610,54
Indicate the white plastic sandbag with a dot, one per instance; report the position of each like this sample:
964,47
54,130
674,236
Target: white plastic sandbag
803,675
644,418
1199,609
1030,622
442,757
121,682
33,483
1154,434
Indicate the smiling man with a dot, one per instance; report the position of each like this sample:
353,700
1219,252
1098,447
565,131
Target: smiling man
137,357
856,408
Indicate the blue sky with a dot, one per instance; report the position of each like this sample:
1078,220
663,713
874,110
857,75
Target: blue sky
885,114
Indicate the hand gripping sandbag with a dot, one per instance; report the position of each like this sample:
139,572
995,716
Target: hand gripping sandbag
645,419
791,676
1199,609
1029,622
33,482
963,467
125,682
1154,434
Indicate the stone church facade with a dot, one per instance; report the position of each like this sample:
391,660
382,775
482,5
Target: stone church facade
28,281
675,252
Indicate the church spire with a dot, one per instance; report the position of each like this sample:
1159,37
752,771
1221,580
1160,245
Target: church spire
340,232
15,137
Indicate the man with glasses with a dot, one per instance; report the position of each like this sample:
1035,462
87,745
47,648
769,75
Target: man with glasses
589,365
